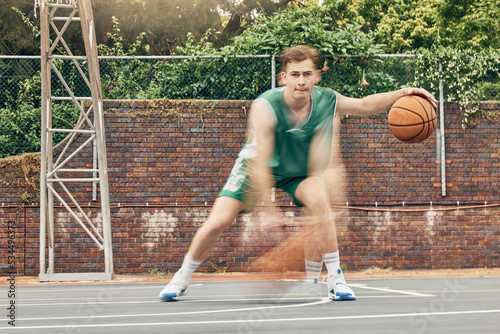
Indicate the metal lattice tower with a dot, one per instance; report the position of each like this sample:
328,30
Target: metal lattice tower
58,171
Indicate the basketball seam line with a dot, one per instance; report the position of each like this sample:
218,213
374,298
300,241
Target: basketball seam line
402,125
426,113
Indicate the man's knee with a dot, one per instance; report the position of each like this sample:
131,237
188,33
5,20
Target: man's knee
222,215
214,226
315,197
320,207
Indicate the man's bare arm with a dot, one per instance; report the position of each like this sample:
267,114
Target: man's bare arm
377,103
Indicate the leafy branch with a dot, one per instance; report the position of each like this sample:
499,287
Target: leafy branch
461,74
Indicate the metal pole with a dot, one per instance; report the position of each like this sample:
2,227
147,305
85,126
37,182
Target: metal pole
273,72
94,166
44,28
441,127
49,152
50,196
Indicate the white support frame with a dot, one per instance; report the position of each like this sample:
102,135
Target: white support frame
54,174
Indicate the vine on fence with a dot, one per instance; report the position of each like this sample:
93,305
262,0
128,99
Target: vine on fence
467,78
464,76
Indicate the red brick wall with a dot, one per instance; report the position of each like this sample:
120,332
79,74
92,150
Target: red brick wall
382,169
168,153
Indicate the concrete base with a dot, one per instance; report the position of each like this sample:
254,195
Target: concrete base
75,277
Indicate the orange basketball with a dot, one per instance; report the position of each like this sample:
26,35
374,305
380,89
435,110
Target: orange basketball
412,119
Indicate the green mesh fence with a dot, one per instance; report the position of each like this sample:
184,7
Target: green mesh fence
207,78
19,120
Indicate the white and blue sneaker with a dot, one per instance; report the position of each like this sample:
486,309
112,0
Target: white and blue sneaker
338,288
176,288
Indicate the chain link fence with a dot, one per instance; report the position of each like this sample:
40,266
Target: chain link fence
16,121
206,78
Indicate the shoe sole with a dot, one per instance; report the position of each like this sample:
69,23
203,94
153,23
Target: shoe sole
341,298
171,296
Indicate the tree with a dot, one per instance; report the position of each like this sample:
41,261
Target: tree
470,24
243,13
15,39
166,24
407,25
328,28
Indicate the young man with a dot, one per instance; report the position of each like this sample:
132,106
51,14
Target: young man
285,126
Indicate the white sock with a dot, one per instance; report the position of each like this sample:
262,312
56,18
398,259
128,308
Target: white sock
332,262
189,265
313,270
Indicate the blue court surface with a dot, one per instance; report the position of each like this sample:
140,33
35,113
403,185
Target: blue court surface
424,305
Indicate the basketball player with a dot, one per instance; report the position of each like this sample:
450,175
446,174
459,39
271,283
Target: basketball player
283,125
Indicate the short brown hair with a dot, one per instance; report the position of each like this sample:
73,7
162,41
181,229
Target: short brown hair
298,53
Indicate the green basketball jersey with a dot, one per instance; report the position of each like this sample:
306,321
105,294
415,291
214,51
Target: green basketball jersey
292,144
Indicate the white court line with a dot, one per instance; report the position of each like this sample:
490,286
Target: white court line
322,301
116,286
197,301
416,294
216,322
93,299
155,301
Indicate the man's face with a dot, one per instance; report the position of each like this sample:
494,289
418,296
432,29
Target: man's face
300,78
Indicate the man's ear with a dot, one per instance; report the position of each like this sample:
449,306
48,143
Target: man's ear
318,75
282,79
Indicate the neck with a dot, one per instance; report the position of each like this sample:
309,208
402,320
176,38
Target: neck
299,109
297,105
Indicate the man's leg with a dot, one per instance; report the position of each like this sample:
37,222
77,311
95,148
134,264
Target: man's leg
331,257
337,286
224,211
312,192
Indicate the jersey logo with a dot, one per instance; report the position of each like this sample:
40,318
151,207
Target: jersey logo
295,130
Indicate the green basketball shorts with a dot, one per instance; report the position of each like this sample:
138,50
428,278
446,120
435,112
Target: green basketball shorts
239,182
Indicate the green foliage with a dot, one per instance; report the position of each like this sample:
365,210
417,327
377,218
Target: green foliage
220,79
437,28
217,78
165,23
403,25
470,24
123,78
313,26
408,25
19,131
488,91
118,47
27,21
20,120
15,39
193,48
465,77
361,76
